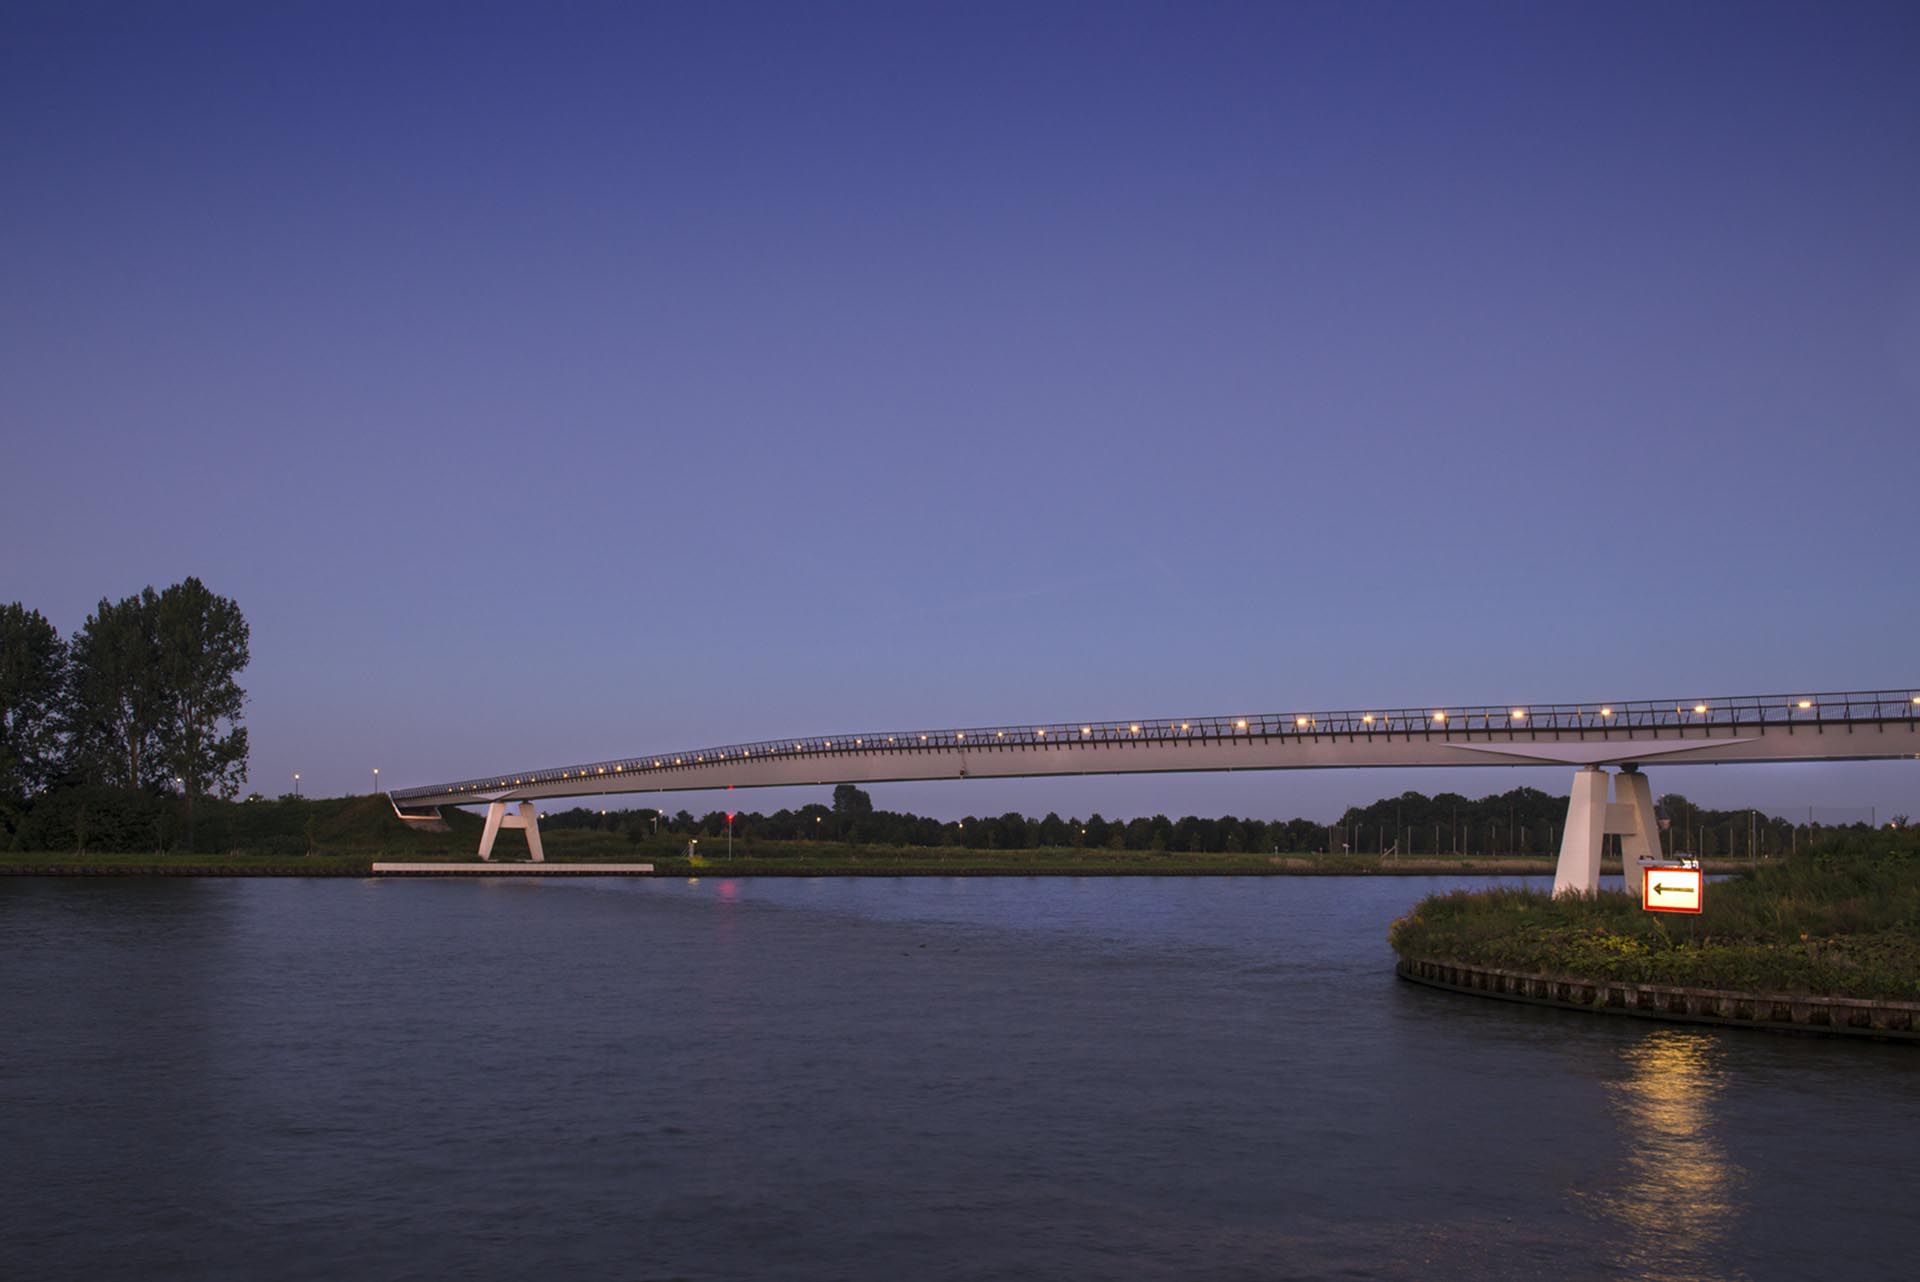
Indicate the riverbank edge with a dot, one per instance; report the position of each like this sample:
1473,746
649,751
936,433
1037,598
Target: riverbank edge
1880,1018
1281,867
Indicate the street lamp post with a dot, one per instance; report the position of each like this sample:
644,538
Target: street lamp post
376,781
296,783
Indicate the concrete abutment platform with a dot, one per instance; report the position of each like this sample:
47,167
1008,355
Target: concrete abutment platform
1776,1012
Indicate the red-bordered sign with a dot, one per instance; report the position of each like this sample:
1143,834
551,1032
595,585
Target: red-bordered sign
1671,890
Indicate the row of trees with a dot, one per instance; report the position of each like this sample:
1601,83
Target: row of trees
1519,821
144,697
852,820
1527,821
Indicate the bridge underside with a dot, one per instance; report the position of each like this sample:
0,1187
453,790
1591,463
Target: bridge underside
1589,737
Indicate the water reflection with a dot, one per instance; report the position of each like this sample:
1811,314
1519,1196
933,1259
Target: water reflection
919,1078
1680,1196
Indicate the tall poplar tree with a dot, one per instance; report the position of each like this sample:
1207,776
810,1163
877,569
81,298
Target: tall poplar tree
114,698
33,672
203,645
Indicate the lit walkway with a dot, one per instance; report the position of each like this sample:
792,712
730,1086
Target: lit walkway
1793,727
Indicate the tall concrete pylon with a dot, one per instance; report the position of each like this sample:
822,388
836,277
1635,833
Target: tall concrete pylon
1592,817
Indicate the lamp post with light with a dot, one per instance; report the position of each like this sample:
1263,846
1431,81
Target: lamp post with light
296,784
376,781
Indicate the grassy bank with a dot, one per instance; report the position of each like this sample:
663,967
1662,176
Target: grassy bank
1842,922
346,835
797,859
1071,862
124,864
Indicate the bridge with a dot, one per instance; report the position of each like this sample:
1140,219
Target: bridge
1845,726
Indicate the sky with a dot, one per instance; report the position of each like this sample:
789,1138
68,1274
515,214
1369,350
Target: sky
554,382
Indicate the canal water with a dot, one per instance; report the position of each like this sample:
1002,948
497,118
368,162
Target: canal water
873,1078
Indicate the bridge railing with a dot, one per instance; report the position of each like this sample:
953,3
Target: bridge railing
1813,710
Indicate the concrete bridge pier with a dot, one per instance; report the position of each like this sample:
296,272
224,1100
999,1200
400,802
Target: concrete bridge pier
498,818
1593,816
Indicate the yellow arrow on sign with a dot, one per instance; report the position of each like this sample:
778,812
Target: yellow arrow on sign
1671,890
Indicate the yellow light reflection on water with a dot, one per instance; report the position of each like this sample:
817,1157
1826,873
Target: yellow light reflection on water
1678,1195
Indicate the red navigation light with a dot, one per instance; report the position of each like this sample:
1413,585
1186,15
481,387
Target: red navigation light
729,816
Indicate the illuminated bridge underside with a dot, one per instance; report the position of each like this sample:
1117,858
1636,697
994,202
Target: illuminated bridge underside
1829,727
1814,727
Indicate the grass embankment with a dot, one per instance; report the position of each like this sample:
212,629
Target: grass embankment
120,864
1838,923
306,837
346,835
1069,861
801,861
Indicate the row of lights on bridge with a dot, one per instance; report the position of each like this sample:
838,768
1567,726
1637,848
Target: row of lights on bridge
1439,717
1519,714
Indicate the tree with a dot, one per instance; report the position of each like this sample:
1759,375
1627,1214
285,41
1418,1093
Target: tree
1012,831
1053,830
1099,831
850,802
114,693
813,821
33,671
202,649
1679,814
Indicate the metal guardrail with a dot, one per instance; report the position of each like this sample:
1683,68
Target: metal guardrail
1810,710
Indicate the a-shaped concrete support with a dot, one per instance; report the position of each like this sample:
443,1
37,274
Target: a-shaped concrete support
1639,827
1592,818
1586,834
498,818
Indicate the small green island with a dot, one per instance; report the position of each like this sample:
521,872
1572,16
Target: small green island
1828,937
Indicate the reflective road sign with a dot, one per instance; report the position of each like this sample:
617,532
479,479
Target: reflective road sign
1671,890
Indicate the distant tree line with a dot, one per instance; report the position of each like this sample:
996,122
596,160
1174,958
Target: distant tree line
142,701
1527,821
1519,821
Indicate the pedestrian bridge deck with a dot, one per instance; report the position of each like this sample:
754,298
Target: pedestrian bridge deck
1755,728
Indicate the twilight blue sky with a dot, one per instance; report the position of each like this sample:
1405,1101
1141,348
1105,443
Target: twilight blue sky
556,381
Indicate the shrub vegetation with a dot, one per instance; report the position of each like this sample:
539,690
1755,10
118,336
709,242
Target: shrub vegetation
1840,919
